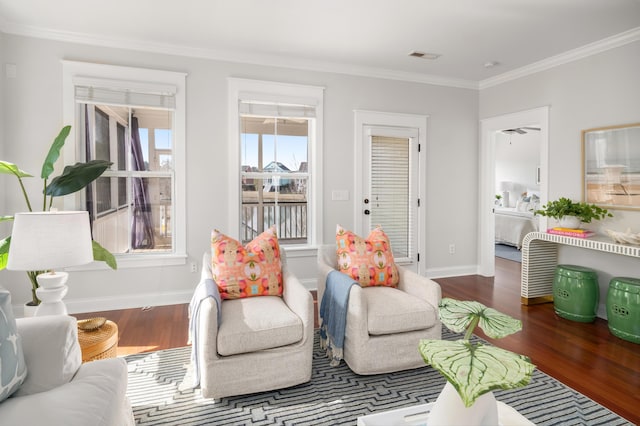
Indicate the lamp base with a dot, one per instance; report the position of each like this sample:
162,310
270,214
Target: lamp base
51,291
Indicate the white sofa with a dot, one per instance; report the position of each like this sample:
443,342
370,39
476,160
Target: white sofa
59,389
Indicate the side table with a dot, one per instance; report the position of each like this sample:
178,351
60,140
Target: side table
99,344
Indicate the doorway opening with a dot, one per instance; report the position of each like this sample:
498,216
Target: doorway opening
510,181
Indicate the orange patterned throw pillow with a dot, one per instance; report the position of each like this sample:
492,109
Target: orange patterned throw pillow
368,261
253,270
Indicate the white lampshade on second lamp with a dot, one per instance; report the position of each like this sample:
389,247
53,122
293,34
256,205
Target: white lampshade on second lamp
45,241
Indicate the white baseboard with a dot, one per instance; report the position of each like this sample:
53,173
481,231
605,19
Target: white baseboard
456,271
111,303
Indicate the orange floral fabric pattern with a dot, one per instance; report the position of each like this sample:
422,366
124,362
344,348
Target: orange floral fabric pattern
368,261
253,270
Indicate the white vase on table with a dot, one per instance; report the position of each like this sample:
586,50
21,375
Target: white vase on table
571,222
449,410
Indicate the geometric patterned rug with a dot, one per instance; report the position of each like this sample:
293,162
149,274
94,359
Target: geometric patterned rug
334,396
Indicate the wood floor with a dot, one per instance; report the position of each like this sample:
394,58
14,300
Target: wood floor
585,357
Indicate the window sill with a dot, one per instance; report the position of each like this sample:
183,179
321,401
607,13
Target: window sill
294,251
136,261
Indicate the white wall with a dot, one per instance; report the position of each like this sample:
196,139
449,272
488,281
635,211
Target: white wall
33,116
600,90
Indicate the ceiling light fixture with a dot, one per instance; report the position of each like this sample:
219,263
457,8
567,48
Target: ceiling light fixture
424,55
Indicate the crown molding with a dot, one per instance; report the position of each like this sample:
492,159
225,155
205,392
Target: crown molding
600,46
246,57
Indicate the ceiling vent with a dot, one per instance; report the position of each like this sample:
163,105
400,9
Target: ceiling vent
424,55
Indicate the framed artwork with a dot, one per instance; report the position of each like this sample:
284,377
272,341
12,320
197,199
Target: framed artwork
611,166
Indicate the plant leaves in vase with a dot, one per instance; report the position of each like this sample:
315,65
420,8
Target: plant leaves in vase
457,316
475,369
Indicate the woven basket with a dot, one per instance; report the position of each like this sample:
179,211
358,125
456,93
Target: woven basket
100,343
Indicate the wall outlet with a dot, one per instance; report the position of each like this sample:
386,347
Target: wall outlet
452,248
194,267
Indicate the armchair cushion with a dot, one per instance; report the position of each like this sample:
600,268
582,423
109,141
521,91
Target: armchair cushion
393,311
368,261
253,324
254,270
13,369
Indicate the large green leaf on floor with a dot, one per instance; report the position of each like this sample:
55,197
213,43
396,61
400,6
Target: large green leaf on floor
457,315
475,369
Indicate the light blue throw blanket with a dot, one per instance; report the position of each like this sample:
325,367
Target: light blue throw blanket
205,289
333,314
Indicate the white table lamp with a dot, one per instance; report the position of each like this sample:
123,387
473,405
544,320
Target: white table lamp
44,241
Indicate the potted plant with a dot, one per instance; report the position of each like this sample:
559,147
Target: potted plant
72,179
571,214
473,370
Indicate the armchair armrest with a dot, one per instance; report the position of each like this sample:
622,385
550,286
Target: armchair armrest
51,350
299,300
419,286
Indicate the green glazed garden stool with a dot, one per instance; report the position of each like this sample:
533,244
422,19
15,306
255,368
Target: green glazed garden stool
576,293
623,308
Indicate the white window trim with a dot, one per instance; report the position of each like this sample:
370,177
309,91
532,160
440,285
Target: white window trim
135,78
270,91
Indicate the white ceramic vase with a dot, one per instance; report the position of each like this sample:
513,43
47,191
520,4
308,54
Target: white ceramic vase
449,410
570,222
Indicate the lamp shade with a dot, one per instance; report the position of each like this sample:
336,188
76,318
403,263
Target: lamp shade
49,240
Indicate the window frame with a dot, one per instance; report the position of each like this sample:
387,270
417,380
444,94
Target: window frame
285,93
135,79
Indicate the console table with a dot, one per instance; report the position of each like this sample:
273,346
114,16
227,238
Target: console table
540,258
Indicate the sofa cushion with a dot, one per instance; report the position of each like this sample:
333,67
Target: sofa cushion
51,351
367,260
393,311
254,270
96,396
13,369
257,323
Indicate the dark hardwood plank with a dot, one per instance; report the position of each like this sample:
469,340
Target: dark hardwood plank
585,357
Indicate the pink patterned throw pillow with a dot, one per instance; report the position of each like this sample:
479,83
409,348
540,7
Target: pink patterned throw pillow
253,270
368,261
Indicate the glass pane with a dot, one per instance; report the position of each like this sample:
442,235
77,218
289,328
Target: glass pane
103,151
274,144
267,205
144,147
156,138
390,191
122,147
122,191
103,194
152,207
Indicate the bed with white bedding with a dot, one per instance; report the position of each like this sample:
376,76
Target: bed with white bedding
512,225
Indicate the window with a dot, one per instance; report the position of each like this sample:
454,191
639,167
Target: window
137,206
277,144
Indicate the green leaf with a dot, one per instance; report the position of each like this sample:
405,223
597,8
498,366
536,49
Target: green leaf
5,218
4,252
103,255
76,177
11,169
475,369
54,152
457,315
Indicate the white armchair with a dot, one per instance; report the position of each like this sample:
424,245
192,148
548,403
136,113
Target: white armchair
260,343
59,389
385,324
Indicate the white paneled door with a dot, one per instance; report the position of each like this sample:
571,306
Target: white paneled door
390,195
